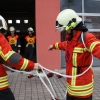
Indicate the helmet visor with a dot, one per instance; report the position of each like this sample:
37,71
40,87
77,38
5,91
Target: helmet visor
59,27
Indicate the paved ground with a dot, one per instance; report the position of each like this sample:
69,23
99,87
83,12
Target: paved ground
32,89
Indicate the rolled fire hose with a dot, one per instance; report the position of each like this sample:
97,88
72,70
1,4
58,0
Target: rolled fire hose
67,76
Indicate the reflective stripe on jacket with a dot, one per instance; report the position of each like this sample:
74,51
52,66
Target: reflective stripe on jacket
3,82
13,58
3,78
7,55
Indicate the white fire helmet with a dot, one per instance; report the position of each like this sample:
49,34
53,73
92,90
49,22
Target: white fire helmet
30,29
3,24
67,19
11,29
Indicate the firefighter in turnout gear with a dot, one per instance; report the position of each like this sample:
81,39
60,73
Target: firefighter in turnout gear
30,44
8,56
79,47
14,40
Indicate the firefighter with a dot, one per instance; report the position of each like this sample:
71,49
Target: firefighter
14,40
78,49
30,44
7,55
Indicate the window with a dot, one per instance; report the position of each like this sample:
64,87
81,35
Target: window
9,21
71,4
18,21
92,22
92,6
25,21
97,34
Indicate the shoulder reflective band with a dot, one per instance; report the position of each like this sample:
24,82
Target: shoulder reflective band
93,45
6,56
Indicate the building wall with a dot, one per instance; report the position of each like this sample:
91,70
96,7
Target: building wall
46,13
89,10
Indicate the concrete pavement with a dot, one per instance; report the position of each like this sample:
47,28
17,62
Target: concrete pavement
24,88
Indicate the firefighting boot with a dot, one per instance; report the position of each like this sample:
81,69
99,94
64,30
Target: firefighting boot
30,76
59,76
50,74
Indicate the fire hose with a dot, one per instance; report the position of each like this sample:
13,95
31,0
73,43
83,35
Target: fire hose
54,72
41,77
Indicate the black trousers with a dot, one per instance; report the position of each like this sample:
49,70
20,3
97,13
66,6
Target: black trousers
29,55
75,98
6,95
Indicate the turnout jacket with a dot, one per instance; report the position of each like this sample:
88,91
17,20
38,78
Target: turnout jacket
13,59
14,42
78,58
